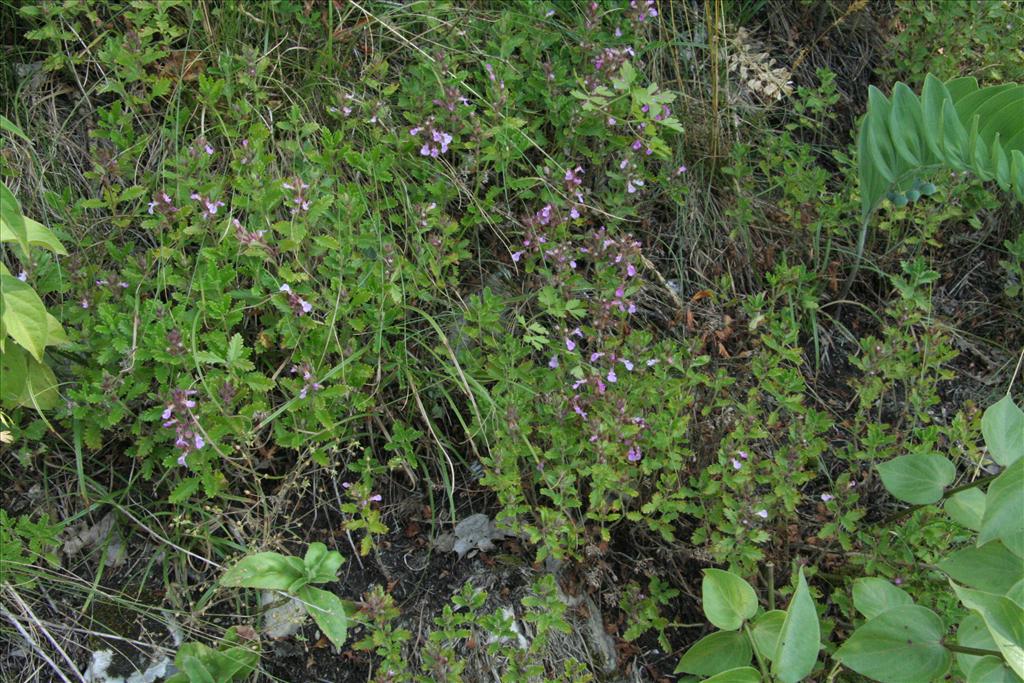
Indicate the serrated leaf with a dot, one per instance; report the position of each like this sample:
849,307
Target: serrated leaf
185,489
267,570
236,348
901,645
727,599
715,653
873,596
1004,510
800,637
919,478
1002,425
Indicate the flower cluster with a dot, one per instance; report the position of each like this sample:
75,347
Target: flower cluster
436,140
309,380
641,10
249,238
362,499
178,415
162,204
452,99
299,201
299,305
201,146
209,206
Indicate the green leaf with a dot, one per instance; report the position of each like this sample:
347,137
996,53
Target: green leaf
1004,619
1002,425
715,653
1004,510
14,371
901,645
269,570
321,564
24,315
194,668
919,478
872,596
12,223
727,599
967,508
40,386
972,632
990,567
1016,592
744,674
328,612
11,127
991,669
799,641
765,631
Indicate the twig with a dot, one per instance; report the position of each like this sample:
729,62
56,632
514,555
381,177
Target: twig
35,646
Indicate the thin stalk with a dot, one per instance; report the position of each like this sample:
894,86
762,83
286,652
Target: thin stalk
977,651
757,655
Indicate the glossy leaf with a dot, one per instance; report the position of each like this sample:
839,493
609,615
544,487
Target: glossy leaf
715,653
919,478
727,599
872,596
269,571
799,640
1004,510
901,645
1002,425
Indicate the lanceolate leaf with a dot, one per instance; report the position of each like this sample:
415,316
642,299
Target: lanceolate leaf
799,640
744,674
24,315
901,645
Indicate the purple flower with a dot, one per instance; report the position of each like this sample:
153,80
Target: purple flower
651,362
763,514
553,363
612,377
826,497
736,464
634,454
23,276
627,364
516,255
178,415
299,305
570,344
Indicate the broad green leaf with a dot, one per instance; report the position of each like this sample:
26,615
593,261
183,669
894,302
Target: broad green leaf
328,612
765,631
54,332
715,653
990,567
744,674
11,221
321,564
196,671
1004,510
727,599
972,632
901,645
36,234
872,596
40,386
1016,592
991,669
799,640
11,127
919,478
967,508
14,371
270,571
24,315
1002,425
1004,619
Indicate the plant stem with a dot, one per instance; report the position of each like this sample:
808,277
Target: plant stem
977,651
947,494
771,585
757,655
